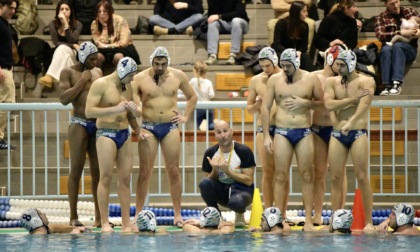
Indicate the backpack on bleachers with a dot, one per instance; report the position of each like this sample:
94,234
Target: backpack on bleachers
27,15
142,26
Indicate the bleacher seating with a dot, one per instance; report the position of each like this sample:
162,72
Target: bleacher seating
184,50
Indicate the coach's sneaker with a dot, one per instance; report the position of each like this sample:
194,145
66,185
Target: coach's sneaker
239,220
395,89
385,92
212,59
5,146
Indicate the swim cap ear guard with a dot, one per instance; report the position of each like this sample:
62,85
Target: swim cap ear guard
85,50
160,51
270,54
125,67
210,217
146,221
342,220
272,216
31,220
404,214
349,57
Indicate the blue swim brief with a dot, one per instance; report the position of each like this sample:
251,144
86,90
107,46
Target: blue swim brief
90,126
160,130
118,136
350,138
293,135
270,130
324,132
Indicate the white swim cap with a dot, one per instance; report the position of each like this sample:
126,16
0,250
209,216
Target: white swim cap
342,219
210,217
31,220
349,57
272,216
125,67
85,50
270,54
160,51
146,221
404,214
291,56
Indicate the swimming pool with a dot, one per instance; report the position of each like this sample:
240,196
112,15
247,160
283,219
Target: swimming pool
238,241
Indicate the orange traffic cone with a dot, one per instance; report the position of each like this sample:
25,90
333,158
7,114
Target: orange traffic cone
358,212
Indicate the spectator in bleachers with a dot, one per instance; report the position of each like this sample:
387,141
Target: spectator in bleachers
176,17
64,31
281,10
226,17
292,32
85,12
112,36
204,90
393,59
7,84
339,27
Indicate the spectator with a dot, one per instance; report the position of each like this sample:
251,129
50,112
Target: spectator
85,12
292,32
65,31
7,84
226,17
229,167
204,90
36,222
339,27
112,36
394,58
176,17
281,10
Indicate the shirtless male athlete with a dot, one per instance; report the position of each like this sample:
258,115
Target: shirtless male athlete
156,88
349,97
295,93
322,128
269,63
400,220
75,82
110,101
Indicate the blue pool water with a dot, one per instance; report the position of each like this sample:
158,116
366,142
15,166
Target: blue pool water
239,241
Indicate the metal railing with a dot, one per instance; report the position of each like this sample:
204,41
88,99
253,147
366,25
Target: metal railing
39,130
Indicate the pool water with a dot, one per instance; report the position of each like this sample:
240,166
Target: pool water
238,241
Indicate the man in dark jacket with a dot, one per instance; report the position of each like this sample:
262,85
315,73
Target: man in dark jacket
176,17
226,17
7,85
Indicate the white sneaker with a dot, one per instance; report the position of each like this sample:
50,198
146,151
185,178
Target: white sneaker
395,90
385,92
231,60
212,59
